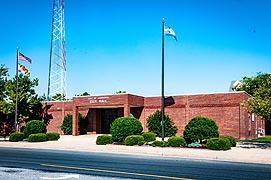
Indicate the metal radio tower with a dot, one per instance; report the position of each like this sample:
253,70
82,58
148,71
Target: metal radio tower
57,66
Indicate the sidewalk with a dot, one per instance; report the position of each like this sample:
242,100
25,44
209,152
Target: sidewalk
87,143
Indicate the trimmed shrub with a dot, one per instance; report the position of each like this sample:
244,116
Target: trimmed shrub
176,141
195,145
16,136
66,126
200,129
154,124
231,139
149,136
34,127
159,144
218,144
39,137
104,139
52,136
134,140
123,127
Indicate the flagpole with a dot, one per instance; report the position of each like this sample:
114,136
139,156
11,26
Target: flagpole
162,97
16,102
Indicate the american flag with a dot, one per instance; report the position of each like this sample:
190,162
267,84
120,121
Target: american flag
24,58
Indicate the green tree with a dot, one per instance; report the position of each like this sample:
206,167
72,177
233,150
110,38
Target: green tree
3,80
27,97
154,124
120,92
58,97
259,88
85,94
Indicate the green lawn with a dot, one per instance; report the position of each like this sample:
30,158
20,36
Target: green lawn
266,139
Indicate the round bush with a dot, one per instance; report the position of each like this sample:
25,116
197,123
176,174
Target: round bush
104,139
199,129
134,140
218,144
123,127
154,124
231,139
39,137
159,143
52,136
176,141
34,127
15,137
149,136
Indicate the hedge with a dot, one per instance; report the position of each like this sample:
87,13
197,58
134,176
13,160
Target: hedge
176,141
159,143
231,139
39,137
218,144
104,139
52,136
16,136
149,136
134,140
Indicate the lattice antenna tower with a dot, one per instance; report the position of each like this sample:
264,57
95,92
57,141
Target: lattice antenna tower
57,65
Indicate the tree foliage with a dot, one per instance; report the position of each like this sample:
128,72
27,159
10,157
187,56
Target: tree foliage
58,97
3,80
121,92
259,88
27,97
29,106
154,124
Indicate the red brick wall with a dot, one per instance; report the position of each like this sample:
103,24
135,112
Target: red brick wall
57,110
224,108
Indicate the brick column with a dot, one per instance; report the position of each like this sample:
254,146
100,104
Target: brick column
75,121
126,106
126,110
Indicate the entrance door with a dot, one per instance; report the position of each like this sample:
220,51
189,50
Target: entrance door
107,117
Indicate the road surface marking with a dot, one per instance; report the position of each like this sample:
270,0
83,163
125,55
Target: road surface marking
62,177
112,171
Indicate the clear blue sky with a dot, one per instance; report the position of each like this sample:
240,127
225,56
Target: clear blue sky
116,45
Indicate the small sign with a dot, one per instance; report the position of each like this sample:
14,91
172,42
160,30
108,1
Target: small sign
95,100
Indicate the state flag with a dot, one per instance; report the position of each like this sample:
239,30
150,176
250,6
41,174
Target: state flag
170,32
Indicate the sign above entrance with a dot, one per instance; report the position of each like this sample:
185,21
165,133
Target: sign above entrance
95,100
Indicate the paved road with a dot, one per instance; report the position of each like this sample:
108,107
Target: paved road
128,166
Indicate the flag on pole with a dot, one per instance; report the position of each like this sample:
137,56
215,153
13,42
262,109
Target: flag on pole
23,69
24,58
169,32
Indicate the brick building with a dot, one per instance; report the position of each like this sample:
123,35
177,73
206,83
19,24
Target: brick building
225,108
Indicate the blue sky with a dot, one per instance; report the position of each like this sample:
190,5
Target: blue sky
116,45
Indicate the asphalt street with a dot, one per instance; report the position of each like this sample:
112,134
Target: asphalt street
129,166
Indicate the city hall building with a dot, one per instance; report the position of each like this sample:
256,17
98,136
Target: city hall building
224,108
